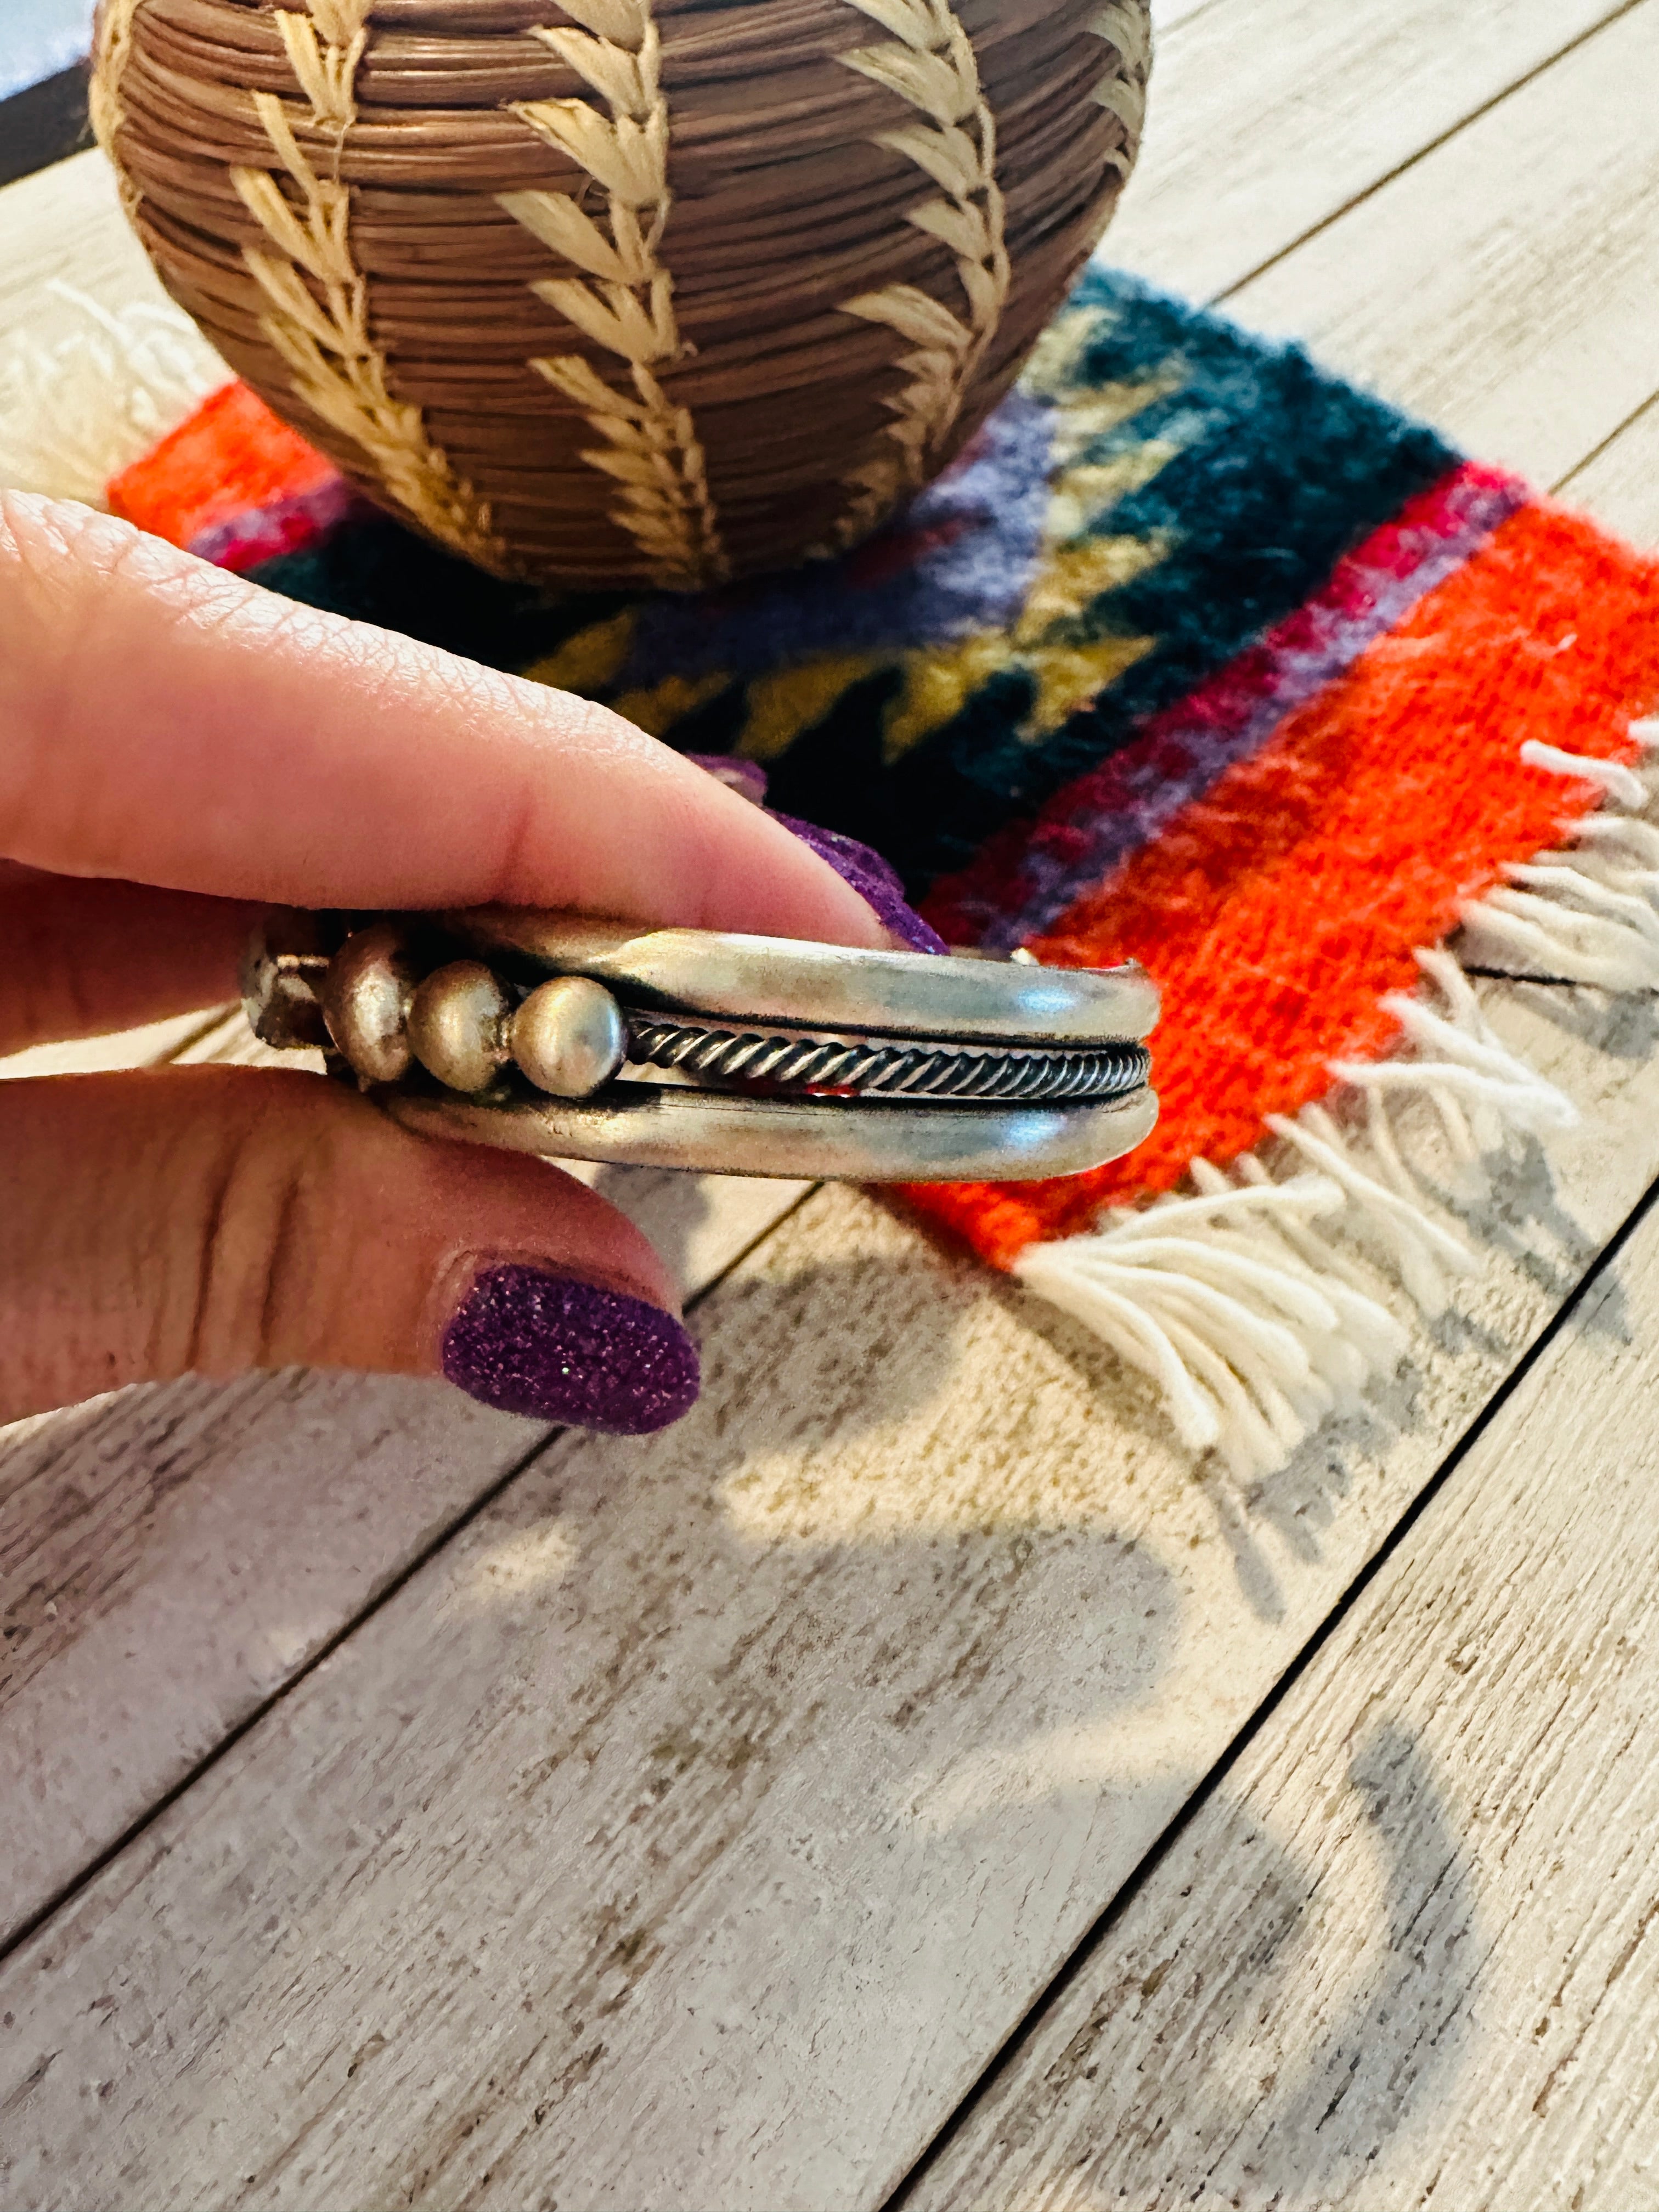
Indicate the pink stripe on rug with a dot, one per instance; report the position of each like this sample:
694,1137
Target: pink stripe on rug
1028,875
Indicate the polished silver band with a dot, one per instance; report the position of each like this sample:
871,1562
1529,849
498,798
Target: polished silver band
653,1126
574,1038
718,973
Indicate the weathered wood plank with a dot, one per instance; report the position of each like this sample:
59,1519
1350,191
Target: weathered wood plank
1503,286
1268,118
225,1536
691,1832
1406,1951
222,1536
1621,482
63,226
228,1533
1166,13
773,1762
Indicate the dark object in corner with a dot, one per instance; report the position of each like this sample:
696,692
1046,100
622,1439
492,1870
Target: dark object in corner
43,123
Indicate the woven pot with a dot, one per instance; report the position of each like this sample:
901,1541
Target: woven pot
619,292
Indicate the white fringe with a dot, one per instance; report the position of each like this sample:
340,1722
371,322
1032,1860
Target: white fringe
75,413
1254,1325
1590,916
1226,1300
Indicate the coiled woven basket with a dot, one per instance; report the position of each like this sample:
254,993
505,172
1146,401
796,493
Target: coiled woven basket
622,292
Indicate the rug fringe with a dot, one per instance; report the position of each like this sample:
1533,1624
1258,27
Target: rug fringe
76,412
1590,915
1255,1325
1223,1301
1236,1299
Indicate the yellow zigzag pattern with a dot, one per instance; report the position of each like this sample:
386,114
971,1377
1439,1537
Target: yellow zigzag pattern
1076,566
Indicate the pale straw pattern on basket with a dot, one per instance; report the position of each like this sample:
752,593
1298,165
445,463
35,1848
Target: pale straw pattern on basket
1122,90
624,291
323,333
930,63
624,299
114,44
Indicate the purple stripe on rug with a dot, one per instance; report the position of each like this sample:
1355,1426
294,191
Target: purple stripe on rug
1099,821
960,559
286,525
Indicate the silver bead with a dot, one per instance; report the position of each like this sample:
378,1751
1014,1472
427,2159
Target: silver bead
569,1037
366,1000
458,1023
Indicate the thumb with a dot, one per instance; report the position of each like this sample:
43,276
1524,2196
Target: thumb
212,1221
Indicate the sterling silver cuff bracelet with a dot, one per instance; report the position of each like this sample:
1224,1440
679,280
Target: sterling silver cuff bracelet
576,1039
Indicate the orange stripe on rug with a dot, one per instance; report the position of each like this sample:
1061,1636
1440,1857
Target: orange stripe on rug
231,455
1278,911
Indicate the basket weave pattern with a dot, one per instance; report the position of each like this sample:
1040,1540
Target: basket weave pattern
624,291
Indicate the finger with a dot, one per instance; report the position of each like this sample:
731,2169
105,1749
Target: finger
210,1220
82,959
168,722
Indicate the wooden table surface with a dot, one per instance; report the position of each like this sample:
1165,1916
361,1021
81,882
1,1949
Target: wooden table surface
911,1780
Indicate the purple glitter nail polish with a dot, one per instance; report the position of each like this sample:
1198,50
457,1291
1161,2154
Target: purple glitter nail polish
527,1341
876,884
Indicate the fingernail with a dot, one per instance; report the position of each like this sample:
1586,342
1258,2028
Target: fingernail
528,1341
746,777
875,883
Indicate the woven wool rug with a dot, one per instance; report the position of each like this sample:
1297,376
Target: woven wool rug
1198,656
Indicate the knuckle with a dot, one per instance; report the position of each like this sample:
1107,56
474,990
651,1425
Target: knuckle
263,1243
48,989
97,610
58,563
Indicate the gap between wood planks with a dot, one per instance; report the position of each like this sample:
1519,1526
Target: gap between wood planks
1077,1963
1640,420
1415,160
455,1526
461,1520
1002,2061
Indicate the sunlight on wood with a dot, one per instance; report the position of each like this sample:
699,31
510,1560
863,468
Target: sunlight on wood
693,1824
500,1570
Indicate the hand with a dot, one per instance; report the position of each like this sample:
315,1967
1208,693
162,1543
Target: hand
178,749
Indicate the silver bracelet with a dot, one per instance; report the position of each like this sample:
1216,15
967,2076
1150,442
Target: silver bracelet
577,1039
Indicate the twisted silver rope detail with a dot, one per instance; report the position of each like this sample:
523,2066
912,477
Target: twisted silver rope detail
879,1067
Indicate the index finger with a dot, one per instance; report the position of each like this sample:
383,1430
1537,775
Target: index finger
165,722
